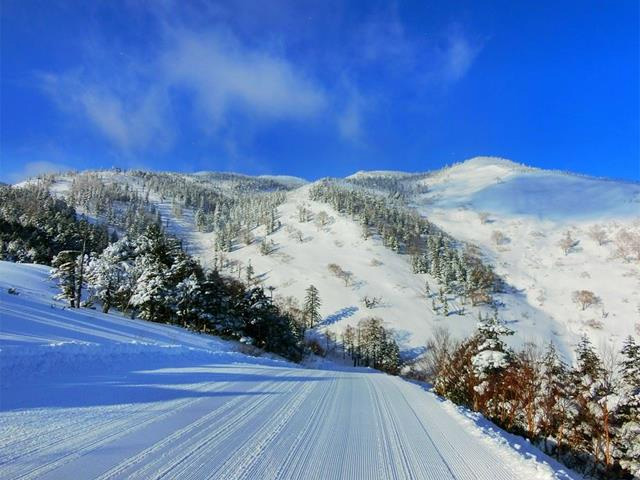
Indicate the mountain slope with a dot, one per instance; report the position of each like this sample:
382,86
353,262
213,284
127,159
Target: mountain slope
518,215
515,215
113,398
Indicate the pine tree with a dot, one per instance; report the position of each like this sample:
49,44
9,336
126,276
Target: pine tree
586,377
554,403
200,219
311,307
249,271
493,354
151,289
65,270
187,302
159,265
626,444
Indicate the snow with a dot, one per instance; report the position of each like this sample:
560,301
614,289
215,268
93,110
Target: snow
100,396
531,207
506,188
378,173
286,180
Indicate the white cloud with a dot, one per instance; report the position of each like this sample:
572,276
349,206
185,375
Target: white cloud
458,55
223,75
139,101
382,38
128,101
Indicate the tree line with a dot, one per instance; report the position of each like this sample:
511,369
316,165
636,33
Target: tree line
370,344
35,226
152,278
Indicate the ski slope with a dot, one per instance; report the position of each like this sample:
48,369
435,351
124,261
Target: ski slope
88,395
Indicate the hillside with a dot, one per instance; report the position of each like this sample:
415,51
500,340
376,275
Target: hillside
112,397
531,210
514,215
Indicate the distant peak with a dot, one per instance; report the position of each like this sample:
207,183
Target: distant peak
497,161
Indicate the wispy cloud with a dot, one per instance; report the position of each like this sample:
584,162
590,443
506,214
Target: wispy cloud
203,73
458,54
128,102
224,74
132,116
350,118
382,38
33,169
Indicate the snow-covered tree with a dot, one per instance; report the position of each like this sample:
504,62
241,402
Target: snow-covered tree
492,355
311,307
187,303
627,438
554,401
249,271
65,270
598,234
586,378
106,273
151,290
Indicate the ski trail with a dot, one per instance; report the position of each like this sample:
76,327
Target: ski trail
266,422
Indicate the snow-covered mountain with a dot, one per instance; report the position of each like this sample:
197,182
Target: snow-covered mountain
553,255
514,216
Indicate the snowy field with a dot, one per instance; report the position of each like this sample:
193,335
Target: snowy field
87,395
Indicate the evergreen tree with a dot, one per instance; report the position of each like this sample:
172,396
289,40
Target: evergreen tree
200,220
627,444
554,401
106,274
492,355
65,270
311,307
586,377
187,303
249,272
151,289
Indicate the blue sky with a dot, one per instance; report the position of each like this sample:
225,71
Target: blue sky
319,88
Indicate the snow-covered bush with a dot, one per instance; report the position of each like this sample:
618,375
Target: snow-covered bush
499,238
598,234
627,245
343,275
585,298
567,243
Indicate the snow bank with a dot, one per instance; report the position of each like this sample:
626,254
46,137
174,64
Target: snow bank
40,336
